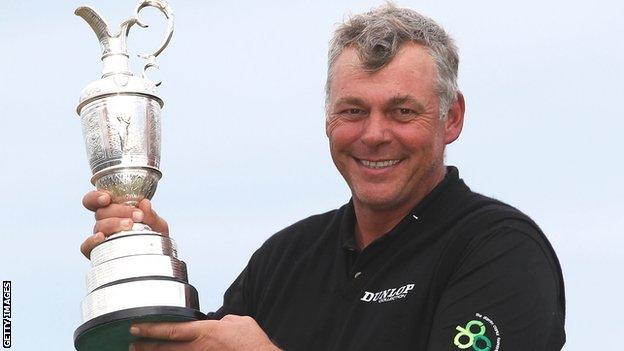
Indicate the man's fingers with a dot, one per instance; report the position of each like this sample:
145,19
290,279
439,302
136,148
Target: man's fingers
160,346
90,243
152,219
178,331
121,211
109,226
233,317
95,199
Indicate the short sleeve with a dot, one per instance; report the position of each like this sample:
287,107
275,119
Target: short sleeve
503,296
234,299
239,297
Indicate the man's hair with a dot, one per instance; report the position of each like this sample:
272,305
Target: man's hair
378,35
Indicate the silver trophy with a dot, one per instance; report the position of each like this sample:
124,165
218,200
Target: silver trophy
136,275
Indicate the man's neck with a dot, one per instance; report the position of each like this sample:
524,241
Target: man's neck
372,223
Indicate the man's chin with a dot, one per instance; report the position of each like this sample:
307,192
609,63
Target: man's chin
378,202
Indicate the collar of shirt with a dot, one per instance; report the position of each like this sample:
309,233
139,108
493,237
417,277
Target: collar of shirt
431,211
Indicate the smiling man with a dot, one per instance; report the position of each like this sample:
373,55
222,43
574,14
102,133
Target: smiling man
416,260
386,131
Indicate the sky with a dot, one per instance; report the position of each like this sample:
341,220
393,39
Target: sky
244,152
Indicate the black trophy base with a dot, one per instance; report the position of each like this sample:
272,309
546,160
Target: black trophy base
111,332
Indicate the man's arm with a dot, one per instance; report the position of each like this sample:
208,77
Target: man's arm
231,333
503,296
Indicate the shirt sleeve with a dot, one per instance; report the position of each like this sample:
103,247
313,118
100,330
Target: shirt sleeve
239,297
234,299
503,296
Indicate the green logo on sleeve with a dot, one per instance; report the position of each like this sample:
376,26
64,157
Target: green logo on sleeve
473,334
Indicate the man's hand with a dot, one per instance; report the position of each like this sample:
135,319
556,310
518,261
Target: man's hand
231,333
112,218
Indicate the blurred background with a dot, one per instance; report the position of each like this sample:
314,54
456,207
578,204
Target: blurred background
244,152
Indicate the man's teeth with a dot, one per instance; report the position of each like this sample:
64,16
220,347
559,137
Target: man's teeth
379,164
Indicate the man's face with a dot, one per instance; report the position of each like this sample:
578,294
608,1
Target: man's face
386,136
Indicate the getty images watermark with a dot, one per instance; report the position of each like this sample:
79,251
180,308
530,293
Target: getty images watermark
6,314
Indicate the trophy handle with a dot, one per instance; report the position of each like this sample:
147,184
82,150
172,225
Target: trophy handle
164,7
115,47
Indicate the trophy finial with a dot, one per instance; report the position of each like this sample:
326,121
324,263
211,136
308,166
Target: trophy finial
115,47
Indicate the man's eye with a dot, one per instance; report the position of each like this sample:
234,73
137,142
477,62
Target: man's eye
405,114
353,111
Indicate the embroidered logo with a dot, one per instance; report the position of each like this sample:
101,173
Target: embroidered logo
475,335
387,295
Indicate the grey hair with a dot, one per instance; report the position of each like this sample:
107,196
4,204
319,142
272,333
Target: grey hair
378,35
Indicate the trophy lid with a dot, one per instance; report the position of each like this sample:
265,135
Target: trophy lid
118,84
117,78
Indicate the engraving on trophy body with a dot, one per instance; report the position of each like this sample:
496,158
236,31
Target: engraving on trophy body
122,130
124,124
122,136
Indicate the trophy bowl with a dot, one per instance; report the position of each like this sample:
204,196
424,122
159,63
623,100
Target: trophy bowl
122,139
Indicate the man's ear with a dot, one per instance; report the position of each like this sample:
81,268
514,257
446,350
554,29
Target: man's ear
454,120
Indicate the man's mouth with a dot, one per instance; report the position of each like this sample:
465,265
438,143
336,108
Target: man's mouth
379,164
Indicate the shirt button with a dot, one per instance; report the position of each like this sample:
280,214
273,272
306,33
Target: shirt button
357,275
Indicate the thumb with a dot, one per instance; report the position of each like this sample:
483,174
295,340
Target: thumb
152,219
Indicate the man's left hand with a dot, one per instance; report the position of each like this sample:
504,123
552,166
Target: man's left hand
231,333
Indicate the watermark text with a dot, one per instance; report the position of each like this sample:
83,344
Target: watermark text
6,314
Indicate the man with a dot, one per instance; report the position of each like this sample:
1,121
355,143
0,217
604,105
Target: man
415,261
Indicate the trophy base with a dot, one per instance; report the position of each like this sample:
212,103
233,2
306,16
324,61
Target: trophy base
111,332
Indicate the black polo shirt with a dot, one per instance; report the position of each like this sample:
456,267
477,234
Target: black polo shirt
310,288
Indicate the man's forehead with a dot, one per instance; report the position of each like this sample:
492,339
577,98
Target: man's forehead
411,71
410,56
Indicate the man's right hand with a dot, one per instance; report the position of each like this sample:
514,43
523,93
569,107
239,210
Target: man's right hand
111,218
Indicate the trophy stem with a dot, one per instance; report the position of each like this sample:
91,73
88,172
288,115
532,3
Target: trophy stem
137,229
141,227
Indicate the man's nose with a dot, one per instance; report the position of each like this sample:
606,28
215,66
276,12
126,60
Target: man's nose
375,130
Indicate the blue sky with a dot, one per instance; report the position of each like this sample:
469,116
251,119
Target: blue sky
244,149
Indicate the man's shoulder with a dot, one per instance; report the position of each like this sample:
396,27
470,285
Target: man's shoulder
489,217
478,209
500,264
481,218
